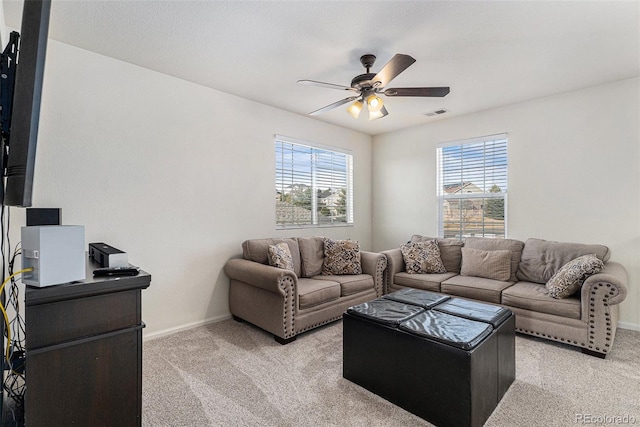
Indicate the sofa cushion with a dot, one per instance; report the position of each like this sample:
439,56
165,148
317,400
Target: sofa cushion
572,275
489,244
314,292
450,253
280,256
341,257
311,255
477,288
494,265
351,284
428,282
257,250
541,259
422,257
535,297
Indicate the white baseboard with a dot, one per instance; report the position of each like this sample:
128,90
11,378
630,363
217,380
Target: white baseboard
627,325
170,331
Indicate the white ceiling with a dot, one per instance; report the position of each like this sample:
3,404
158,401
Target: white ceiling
491,53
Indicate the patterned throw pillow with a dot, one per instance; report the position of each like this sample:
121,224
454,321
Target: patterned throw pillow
280,256
572,275
341,257
422,257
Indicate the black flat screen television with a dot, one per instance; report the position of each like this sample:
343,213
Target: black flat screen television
21,102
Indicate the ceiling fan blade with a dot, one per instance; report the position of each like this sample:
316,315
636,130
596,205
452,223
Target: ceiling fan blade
391,69
334,105
327,85
417,91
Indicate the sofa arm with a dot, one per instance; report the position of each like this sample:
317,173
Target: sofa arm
600,295
259,275
612,278
374,264
395,264
263,295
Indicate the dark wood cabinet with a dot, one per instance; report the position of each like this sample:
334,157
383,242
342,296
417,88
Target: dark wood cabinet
84,352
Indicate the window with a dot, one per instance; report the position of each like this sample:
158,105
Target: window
314,186
472,187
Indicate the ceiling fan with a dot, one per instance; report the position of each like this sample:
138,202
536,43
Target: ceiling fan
367,87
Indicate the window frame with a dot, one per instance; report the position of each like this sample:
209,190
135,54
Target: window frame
314,182
482,196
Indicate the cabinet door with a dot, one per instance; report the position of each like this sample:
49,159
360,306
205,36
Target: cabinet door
90,382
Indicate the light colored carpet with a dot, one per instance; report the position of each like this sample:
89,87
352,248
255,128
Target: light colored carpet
234,374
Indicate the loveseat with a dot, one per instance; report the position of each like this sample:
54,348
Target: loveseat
586,319
317,289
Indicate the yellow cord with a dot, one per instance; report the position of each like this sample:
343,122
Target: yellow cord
6,322
24,270
4,312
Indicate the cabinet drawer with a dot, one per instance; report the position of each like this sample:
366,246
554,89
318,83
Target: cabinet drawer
72,319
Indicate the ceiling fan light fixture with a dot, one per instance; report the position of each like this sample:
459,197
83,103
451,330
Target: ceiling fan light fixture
378,114
374,103
355,108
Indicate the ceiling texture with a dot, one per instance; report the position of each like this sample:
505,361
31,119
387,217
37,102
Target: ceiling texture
490,53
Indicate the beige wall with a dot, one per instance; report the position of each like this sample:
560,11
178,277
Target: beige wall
178,175
175,174
574,162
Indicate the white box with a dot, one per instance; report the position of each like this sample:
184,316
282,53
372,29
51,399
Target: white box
55,252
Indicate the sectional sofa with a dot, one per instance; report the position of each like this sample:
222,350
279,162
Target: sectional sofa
587,319
286,302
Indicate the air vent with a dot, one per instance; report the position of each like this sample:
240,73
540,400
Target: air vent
436,112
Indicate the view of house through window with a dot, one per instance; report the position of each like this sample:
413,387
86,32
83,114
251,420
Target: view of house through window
314,186
472,187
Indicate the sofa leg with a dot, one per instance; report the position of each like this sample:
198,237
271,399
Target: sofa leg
594,353
284,341
236,318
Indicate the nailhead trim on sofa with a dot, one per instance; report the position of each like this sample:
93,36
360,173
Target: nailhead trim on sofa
592,328
553,338
286,284
324,322
381,269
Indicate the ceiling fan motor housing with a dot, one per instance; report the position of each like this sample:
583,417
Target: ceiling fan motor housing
363,81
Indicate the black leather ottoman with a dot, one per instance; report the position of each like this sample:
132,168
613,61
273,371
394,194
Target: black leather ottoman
447,360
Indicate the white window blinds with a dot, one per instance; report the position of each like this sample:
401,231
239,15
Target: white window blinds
472,187
314,185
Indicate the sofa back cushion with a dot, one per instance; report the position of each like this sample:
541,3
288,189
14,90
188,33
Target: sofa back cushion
257,250
450,253
489,244
541,259
494,265
311,255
